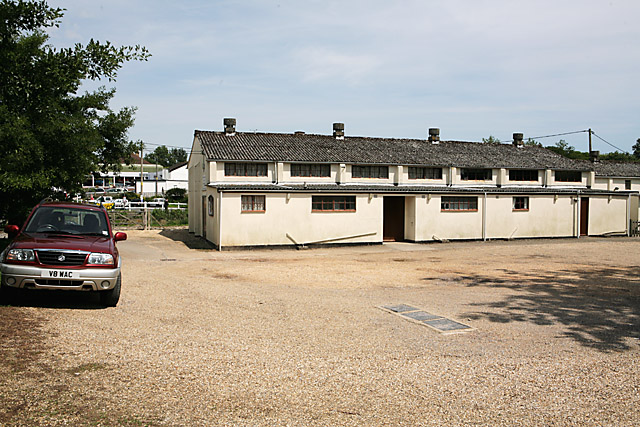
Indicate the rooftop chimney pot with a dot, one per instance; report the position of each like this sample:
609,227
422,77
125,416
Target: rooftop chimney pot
518,140
434,135
338,130
229,125
594,156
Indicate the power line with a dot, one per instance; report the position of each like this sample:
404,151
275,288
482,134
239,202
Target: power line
560,134
607,142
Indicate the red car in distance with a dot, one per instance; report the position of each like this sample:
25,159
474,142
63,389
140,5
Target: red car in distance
64,246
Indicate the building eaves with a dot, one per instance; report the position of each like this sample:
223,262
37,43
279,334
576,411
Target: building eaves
406,189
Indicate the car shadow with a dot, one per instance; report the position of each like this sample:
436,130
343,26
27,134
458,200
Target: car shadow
189,239
599,308
52,299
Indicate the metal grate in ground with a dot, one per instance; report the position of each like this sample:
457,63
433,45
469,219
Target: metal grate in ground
433,321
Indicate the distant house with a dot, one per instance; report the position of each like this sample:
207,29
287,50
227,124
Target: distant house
176,176
264,189
128,176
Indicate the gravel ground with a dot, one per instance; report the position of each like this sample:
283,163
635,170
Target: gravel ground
285,337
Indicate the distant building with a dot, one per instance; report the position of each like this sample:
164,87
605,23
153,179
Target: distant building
263,189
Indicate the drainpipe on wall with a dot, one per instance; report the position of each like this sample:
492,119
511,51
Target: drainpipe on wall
484,217
220,193
629,215
578,205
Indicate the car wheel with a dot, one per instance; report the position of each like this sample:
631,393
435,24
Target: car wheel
111,297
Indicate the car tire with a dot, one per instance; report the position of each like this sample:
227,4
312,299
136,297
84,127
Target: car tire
111,297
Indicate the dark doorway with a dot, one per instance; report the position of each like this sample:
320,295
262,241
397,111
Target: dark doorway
584,216
393,222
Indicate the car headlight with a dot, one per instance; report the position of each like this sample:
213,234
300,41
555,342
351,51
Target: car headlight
100,258
24,255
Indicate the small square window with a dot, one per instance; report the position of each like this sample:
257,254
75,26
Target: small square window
627,184
520,203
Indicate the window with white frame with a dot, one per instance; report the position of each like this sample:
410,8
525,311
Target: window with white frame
456,203
253,204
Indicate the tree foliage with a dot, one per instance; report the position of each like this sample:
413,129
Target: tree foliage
165,157
491,140
564,149
51,136
636,149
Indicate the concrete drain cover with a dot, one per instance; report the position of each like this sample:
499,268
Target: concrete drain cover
439,323
400,308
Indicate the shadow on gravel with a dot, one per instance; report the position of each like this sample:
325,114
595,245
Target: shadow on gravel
53,299
600,308
190,240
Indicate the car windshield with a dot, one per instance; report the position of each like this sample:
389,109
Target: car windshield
68,220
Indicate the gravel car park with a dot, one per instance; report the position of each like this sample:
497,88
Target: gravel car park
285,337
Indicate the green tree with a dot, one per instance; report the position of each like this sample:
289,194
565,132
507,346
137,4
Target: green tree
564,149
532,143
165,157
491,140
636,149
51,136
619,157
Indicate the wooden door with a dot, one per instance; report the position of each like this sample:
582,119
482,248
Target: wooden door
584,216
393,222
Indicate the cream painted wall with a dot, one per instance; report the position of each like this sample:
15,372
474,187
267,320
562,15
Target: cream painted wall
196,184
410,203
546,217
607,216
430,221
294,216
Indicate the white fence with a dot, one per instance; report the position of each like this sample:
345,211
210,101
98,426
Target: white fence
138,206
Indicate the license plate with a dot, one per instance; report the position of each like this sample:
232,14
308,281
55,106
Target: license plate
60,274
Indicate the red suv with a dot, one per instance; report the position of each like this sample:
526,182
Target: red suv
66,246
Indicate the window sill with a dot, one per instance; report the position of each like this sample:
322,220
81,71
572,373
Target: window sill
334,211
253,211
519,210
458,210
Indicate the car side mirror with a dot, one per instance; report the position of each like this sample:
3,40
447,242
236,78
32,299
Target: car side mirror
120,236
12,230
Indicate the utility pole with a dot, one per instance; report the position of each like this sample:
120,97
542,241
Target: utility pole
590,148
141,168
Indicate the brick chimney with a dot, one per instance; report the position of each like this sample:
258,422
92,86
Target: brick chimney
338,130
229,126
434,135
518,140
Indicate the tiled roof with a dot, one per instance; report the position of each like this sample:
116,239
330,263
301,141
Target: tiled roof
355,188
621,169
269,147
177,166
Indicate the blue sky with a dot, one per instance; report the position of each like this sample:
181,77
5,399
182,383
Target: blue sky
389,69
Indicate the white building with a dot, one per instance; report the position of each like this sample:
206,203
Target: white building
259,189
176,176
